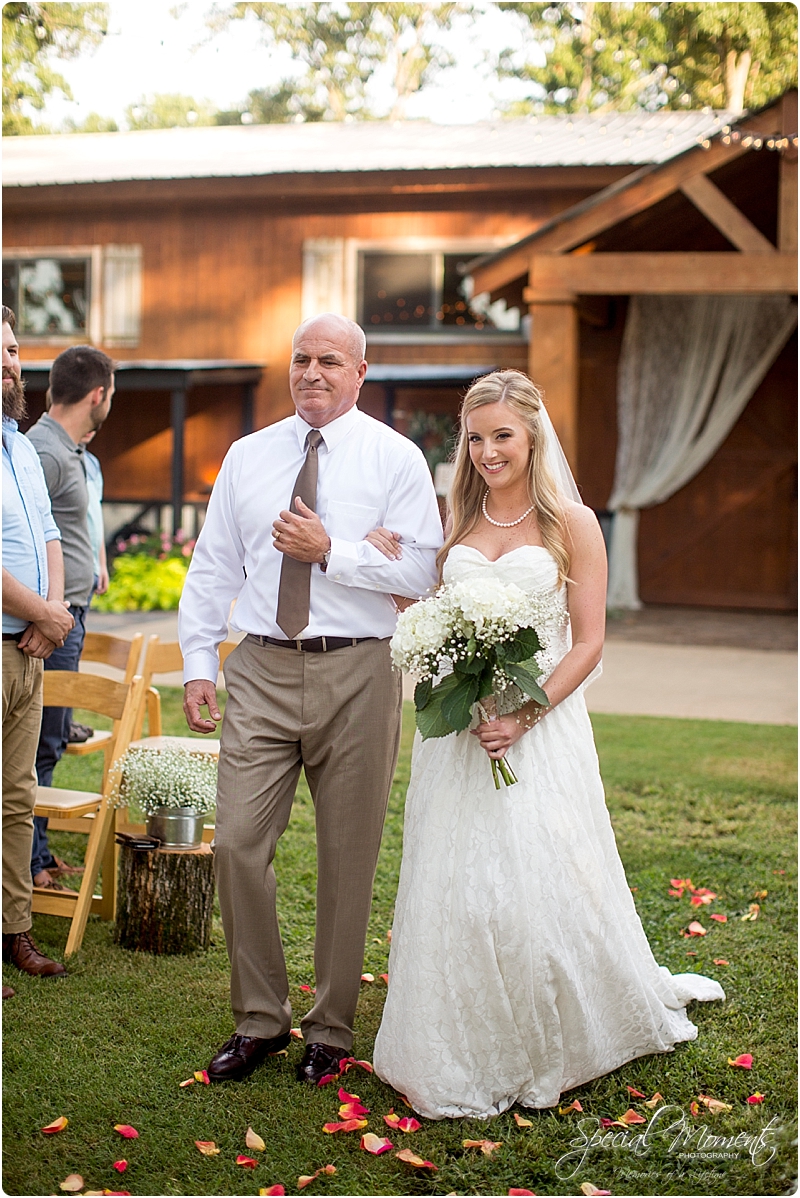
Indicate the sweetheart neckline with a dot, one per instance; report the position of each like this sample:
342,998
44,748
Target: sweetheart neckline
492,561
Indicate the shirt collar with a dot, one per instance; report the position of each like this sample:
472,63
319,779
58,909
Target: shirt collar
332,433
60,432
10,427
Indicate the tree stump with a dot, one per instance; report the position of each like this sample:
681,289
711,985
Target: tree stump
165,900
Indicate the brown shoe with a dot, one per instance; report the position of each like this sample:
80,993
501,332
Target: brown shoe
44,881
63,867
320,1060
240,1055
20,950
8,992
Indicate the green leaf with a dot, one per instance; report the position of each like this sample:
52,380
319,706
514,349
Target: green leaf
523,646
526,681
457,706
422,693
430,720
486,682
467,668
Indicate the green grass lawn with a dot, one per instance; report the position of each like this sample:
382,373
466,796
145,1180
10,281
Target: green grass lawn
109,1044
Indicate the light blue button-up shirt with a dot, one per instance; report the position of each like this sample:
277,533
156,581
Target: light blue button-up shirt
28,522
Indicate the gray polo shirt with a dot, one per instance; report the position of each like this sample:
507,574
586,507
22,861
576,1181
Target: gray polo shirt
65,474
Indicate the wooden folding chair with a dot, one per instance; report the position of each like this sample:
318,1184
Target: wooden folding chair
121,655
165,657
67,808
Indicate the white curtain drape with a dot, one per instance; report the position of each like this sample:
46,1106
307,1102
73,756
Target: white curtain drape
689,365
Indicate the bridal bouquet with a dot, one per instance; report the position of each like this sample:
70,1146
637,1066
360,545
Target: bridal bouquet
484,636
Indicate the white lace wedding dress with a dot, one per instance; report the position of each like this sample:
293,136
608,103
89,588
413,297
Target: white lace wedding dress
518,967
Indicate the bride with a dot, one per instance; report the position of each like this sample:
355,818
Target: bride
519,967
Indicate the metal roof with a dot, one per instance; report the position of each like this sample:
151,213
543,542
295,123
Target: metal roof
159,375
613,139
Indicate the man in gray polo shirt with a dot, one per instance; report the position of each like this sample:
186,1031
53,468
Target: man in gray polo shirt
81,388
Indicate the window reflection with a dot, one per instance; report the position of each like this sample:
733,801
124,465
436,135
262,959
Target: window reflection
424,292
49,295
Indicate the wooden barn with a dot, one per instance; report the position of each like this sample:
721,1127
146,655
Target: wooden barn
664,318
190,256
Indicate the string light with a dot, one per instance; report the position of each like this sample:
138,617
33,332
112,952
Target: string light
750,141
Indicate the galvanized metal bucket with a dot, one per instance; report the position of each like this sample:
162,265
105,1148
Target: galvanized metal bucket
176,827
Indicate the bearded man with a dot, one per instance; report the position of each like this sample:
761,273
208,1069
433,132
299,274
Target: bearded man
36,621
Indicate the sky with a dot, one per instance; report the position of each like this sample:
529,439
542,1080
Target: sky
152,46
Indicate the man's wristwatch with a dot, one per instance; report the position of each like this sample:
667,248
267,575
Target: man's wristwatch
326,557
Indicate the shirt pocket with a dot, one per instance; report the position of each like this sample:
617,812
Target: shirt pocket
350,521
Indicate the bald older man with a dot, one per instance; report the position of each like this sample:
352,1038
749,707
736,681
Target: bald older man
311,685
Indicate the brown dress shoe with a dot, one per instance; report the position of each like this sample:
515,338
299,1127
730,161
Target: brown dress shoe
240,1055
20,950
8,992
63,867
44,881
320,1060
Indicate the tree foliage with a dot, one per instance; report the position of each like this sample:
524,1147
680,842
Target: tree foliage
169,110
341,45
33,35
672,55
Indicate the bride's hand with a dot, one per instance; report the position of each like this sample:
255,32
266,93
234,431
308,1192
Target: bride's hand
388,543
501,732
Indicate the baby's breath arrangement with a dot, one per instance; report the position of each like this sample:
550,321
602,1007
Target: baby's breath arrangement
153,778
485,637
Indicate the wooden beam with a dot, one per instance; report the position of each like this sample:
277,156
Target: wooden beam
557,275
725,216
553,366
787,179
622,200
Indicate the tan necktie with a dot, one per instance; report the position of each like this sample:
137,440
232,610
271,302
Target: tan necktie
294,589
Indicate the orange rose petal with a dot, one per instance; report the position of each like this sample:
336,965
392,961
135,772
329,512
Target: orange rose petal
353,1110
308,989
391,1120
346,1125
675,893
246,1162
696,929
117,1193
368,977
126,1131
573,1106
752,913
298,1035
719,918
385,978
487,1147
592,1191
721,961
344,1096
411,1158
689,954
635,1093
630,1117
189,1082
520,1122
755,1099
253,1140
56,1126
120,1166
207,1147
201,1075
329,1077
694,1107
72,1184
743,1061
653,1102
376,1144
268,1191
408,1125
304,1181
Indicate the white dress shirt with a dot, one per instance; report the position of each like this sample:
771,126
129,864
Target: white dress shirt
369,475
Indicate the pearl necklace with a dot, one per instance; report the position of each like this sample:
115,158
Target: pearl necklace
503,523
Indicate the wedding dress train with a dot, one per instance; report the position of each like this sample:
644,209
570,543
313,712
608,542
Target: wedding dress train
519,967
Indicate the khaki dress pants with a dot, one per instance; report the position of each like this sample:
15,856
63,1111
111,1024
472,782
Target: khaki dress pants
337,715
22,719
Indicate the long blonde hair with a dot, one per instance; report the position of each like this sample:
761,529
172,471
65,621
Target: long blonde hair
515,389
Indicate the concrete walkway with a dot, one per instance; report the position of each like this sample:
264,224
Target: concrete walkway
660,662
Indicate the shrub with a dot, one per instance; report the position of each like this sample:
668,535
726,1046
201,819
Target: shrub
148,574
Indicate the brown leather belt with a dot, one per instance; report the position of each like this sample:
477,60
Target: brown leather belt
13,636
315,644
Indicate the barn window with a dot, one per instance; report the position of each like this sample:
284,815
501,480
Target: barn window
50,295
424,292
76,293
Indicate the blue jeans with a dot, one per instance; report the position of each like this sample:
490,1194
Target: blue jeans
54,734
